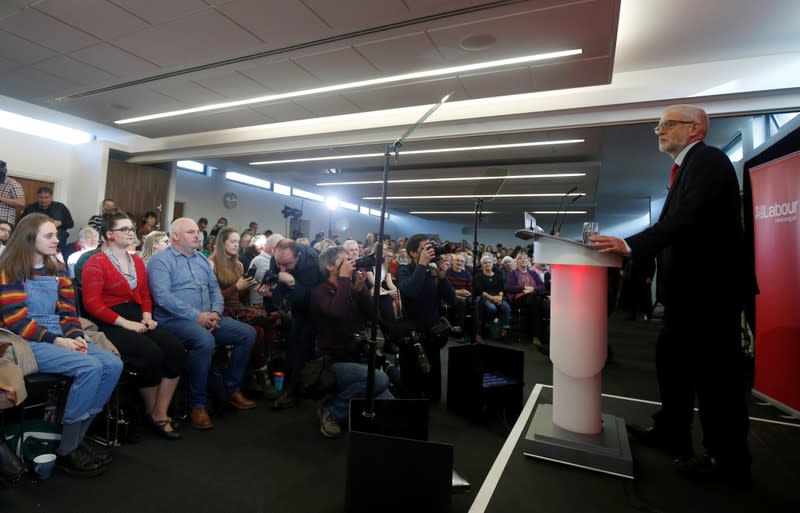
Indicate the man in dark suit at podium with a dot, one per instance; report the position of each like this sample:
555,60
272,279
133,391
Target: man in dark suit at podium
699,244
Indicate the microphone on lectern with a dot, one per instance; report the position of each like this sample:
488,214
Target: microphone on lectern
564,214
560,206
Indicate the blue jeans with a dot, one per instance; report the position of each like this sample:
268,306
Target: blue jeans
94,376
351,383
200,343
503,311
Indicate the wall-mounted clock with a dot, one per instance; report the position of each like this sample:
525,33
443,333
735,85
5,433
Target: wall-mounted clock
230,200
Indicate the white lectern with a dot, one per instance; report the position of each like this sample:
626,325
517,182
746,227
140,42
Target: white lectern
574,431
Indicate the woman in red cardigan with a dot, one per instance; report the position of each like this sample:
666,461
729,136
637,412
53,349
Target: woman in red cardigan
116,294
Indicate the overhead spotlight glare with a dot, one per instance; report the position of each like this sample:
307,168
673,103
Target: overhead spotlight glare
39,128
457,179
420,152
459,196
453,70
331,202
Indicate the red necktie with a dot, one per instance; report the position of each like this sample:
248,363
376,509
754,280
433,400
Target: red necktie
672,173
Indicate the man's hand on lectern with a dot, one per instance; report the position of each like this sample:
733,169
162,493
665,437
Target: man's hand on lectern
608,244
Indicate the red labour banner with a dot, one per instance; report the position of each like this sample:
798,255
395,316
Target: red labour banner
776,195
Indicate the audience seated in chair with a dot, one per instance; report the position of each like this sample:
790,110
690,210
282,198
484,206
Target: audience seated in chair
236,288
88,239
37,302
188,302
116,295
489,291
461,280
152,244
525,288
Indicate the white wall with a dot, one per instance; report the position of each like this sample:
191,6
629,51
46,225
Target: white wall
78,172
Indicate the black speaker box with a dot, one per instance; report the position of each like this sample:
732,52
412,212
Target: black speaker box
482,379
391,467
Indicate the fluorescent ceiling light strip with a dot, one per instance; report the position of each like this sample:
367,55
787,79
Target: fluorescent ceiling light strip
560,212
420,152
282,189
456,179
300,193
453,70
459,212
249,180
457,196
192,165
349,206
39,128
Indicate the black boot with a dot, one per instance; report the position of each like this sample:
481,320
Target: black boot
11,467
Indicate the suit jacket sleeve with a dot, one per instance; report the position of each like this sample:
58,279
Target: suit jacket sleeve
706,168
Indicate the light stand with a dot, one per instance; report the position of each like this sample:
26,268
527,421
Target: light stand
391,149
389,446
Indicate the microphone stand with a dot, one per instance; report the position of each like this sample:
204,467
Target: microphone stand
560,206
391,148
475,266
564,214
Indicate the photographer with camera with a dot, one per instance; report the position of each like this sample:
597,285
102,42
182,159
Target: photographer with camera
423,287
340,306
297,269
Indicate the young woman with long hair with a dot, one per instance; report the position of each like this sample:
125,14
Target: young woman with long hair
154,243
234,285
37,302
116,294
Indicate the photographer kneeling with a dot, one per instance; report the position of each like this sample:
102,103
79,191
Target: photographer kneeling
339,307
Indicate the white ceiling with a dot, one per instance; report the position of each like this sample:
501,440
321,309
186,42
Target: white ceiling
91,62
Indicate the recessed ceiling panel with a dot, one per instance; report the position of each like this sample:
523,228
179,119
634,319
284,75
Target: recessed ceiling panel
115,61
337,66
159,11
350,15
406,95
74,71
35,26
19,50
514,81
232,85
193,40
97,17
281,77
402,54
279,23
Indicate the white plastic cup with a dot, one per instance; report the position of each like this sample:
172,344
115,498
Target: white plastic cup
43,465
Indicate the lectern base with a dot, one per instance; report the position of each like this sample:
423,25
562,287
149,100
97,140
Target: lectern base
608,452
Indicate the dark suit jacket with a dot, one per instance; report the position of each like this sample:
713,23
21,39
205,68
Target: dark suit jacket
698,238
422,295
306,275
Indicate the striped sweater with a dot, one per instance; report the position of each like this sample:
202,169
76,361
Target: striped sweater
14,312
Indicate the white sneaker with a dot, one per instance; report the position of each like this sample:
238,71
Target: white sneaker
328,425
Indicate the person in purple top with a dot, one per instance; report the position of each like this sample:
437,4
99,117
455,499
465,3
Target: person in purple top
525,289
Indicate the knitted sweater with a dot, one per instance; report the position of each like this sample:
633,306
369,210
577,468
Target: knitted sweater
14,311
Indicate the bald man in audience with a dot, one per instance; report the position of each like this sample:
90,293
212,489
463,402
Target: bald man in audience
188,302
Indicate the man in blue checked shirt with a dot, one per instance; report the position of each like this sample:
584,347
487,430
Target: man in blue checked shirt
188,302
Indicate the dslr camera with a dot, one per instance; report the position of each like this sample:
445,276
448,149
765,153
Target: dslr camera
270,279
439,249
365,262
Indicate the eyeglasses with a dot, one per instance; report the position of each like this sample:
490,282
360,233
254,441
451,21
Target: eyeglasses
666,125
124,229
